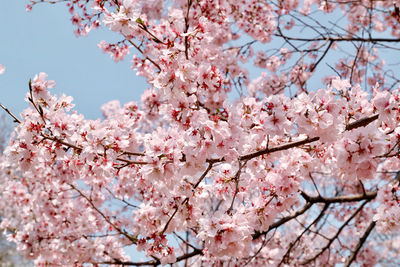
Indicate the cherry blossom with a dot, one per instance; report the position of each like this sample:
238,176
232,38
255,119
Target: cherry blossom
2,69
232,156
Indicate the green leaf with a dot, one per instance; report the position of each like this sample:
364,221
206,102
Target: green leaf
140,21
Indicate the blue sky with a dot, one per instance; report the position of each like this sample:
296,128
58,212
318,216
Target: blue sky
43,41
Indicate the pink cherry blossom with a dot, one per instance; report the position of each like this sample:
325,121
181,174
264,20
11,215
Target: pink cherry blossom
236,154
2,69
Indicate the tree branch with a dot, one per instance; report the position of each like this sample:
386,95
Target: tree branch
285,258
122,232
154,262
10,113
361,122
360,243
187,198
340,199
141,51
278,223
278,148
337,234
313,200
341,39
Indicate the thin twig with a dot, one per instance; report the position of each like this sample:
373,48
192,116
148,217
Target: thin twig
149,59
10,113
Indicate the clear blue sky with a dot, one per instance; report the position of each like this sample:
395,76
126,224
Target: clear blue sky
43,41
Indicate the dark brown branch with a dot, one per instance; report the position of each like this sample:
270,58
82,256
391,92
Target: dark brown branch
203,175
153,262
342,39
355,62
356,124
144,28
122,200
278,148
265,241
340,199
283,220
133,153
172,216
55,139
189,4
37,107
185,241
361,122
337,234
322,57
360,243
79,149
132,162
388,154
286,257
313,200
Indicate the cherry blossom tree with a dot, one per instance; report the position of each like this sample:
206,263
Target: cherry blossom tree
233,157
8,254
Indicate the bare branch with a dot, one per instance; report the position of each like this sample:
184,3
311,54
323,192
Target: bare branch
10,113
342,39
337,234
319,199
360,243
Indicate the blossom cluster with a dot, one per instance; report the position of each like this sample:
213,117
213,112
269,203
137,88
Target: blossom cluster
63,172
252,180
